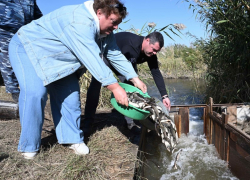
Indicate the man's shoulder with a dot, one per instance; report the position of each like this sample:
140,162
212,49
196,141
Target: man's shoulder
128,36
128,41
125,34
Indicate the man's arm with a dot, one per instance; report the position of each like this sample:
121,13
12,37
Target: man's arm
129,53
159,81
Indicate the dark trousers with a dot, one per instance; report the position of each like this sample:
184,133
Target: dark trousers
1,80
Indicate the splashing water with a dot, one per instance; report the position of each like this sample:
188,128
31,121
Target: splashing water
197,160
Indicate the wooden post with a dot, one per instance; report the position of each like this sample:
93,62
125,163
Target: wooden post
8,110
177,121
204,120
211,122
184,112
226,140
223,139
207,125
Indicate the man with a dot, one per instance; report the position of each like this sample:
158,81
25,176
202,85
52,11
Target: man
13,14
137,49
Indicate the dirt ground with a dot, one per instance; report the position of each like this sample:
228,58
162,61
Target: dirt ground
113,152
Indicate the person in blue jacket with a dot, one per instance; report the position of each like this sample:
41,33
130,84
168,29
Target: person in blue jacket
50,54
13,14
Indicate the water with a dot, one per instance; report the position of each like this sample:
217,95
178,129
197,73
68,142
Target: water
197,160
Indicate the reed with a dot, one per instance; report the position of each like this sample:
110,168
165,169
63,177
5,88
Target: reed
226,51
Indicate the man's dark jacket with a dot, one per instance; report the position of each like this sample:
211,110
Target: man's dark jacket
131,47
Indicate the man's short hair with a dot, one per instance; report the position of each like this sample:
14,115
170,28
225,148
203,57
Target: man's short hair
156,37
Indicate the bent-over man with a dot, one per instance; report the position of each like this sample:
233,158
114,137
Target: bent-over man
137,49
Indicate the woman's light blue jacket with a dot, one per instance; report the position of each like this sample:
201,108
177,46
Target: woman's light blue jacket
61,42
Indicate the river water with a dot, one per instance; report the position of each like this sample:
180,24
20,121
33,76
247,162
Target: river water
197,159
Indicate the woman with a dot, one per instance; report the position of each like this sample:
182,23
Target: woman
49,54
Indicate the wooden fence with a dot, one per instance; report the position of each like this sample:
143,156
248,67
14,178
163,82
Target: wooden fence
221,130
232,144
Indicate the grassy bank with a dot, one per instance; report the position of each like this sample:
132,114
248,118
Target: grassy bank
111,156
177,62
113,151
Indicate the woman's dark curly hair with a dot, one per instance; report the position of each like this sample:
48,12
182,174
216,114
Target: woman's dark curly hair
109,7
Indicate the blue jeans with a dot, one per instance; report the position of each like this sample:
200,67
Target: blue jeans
64,100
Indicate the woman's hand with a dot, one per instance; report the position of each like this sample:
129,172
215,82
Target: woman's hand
139,84
119,93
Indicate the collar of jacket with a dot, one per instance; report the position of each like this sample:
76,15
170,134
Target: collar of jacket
89,6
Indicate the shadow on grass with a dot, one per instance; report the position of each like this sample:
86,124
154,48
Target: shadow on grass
102,119
112,118
3,156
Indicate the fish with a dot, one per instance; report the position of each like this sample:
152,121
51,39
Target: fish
176,159
164,125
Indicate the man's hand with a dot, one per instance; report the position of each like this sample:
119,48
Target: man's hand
166,102
139,84
119,93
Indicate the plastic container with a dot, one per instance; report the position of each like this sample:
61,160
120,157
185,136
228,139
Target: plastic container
130,111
